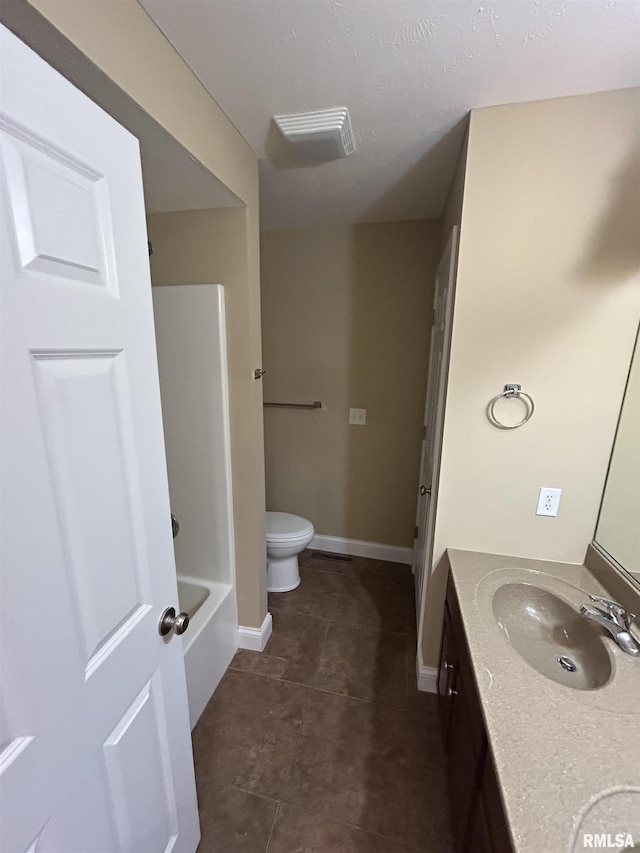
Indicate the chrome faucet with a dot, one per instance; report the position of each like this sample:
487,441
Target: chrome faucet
616,620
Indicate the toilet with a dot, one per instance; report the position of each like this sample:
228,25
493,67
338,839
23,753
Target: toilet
287,535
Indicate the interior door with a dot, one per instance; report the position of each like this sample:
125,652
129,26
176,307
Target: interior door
434,411
95,748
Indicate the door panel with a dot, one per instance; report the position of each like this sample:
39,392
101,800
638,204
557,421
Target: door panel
59,210
96,749
87,424
135,754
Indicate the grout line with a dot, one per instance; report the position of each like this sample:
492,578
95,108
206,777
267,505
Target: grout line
324,639
333,693
289,769
286,611
293,756
273,826
253,794
380,630
355,577
355,826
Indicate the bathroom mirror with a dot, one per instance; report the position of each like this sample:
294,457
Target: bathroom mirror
618,528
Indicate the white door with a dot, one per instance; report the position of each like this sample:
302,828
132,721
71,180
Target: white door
434,411
95,749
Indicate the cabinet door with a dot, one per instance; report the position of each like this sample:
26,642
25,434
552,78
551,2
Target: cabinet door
446,676
464,765
479,837
493,809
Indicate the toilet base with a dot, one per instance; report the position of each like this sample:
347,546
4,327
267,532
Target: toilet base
283,575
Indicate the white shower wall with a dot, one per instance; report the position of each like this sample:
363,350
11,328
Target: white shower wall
192,364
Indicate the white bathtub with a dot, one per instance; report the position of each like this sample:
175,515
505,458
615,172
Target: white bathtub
191,595
210,641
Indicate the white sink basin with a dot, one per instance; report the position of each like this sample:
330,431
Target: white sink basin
551,636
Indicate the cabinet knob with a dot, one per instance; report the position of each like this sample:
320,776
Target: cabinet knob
448,666
451,692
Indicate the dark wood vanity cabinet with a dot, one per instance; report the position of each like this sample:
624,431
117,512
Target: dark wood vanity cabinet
478,821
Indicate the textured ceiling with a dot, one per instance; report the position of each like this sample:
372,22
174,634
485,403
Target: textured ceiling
408,70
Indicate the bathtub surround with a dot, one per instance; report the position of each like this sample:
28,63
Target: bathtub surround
547,296
192,364
346,316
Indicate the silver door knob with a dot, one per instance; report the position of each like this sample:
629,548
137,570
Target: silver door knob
424,490
170,622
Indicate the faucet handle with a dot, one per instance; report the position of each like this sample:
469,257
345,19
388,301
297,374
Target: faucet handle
615,610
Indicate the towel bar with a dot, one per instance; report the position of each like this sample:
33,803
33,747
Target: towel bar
315,405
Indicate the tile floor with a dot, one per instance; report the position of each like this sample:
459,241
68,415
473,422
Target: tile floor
322,742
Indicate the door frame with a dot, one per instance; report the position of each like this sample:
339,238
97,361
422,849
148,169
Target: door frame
451,248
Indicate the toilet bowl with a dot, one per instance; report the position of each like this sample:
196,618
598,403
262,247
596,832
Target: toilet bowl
287,535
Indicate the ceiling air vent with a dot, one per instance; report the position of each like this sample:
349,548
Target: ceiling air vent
319,135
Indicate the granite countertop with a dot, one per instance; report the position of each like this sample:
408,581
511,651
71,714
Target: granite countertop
567,760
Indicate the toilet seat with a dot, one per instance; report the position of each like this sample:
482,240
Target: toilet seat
284,527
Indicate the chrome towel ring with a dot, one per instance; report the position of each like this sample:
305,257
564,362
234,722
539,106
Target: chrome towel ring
512,390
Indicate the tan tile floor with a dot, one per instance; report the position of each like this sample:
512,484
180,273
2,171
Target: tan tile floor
322,742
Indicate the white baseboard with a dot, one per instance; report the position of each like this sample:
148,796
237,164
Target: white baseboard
428,679
358,548
255,639
427,676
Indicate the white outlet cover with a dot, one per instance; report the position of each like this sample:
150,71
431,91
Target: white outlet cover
548,501
358,416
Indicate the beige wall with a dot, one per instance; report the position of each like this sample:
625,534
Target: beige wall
619,523
547,295
346,317
120,39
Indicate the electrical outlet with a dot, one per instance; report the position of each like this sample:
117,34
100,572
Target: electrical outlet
358,416
548,501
